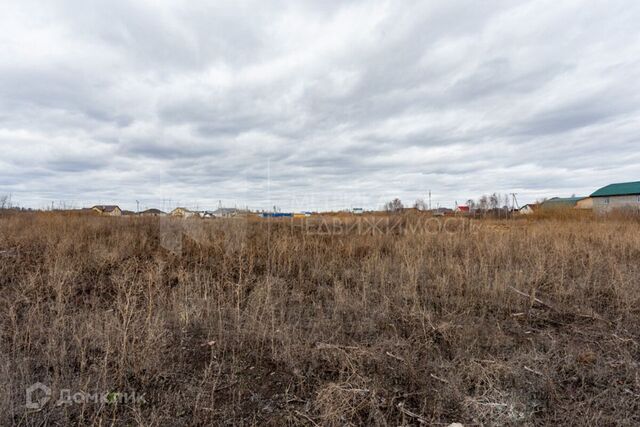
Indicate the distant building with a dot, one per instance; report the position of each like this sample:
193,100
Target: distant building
529,209
225,212
586,203
624,195
108,210
357,211
153,212
462,209
182,213
560,203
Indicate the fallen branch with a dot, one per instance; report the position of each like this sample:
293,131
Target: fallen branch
439,379
594,317
531,297
394,356
225,386
533,371
355,390
405,411
484,360
305,416
625,339
324,346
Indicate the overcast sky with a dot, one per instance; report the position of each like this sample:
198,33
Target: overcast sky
315,105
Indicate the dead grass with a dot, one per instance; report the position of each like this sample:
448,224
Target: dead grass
532,321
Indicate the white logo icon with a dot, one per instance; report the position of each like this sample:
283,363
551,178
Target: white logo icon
35,390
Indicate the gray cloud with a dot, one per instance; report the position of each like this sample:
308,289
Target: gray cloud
315,104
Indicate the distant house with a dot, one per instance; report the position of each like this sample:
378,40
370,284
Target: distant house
408,211
357,211
624,195
108,210
152,212
182,213
462,209
529,209
560,203
225,212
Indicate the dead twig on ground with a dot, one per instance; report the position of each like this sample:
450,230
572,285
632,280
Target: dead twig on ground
407,412
306,417
533,371
394,356
532,297
439,379
325,346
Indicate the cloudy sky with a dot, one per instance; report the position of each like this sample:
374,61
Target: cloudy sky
315,105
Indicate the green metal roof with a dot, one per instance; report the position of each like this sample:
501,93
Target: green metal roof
620,189
561,201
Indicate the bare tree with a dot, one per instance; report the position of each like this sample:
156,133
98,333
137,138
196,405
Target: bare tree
5,201
483,203
420,205
394,206
494,201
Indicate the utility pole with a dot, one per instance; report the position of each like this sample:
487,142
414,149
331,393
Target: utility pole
515,200
429,199
137,206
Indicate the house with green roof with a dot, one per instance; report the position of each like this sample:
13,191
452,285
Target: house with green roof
624,195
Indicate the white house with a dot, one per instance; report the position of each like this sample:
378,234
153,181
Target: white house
528,209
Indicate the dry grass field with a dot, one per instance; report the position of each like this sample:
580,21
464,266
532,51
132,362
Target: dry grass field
482,322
